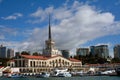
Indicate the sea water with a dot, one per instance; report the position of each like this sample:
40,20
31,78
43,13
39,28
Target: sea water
68,78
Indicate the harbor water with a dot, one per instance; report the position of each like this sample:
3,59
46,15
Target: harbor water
68,78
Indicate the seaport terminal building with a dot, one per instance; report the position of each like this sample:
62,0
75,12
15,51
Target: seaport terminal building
51,58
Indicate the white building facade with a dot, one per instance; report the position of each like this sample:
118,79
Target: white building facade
36,64
52,58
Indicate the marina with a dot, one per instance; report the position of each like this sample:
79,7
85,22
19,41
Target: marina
63,73
59,40
68,78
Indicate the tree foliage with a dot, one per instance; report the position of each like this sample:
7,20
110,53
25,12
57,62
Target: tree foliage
36,54
25,53
89,59
3,61
115,60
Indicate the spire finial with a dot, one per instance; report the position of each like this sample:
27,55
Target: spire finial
49,29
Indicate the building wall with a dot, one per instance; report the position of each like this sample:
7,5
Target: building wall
117,51
82,51
101,51
65,53
10,53
37,65
3,52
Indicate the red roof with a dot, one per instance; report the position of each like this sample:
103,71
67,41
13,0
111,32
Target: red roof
74,60
45,58
1,66
34,57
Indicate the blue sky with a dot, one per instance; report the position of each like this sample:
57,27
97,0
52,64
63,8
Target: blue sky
75,23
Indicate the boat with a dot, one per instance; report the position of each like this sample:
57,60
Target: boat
118,71
61,73
64,74
43,75
107,72
15,76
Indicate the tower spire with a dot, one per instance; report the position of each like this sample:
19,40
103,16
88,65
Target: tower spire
49,30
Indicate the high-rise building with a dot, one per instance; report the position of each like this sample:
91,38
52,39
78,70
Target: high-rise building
17,54
3,52
10,53
117,51
50,49
65,53
101,51
92,50
82,51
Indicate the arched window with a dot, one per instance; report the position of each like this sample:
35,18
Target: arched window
34,63
59,60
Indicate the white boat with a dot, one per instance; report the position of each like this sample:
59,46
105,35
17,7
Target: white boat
108,72
64,74
43,75
61,73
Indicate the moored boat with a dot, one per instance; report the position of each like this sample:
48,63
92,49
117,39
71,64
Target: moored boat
15,76
64,74
61,73
118,71
43,75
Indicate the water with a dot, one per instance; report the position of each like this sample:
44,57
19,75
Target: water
68,78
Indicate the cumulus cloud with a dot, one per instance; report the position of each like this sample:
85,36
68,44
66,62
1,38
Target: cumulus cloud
7,31
2,37
40,15
76,25
71,25
13,16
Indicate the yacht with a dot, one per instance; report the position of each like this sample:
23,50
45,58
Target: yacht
118,71
43,75
61,73
64,74
14,76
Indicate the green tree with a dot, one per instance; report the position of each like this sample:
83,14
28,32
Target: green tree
115,60
36,54
3,61
25,53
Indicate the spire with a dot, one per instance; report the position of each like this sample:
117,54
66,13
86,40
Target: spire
49,29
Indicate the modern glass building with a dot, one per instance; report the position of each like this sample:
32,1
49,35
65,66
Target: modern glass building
10,53
82,51
3,52
117,51
65,53
100,50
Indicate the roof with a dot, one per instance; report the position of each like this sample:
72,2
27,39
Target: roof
74,60
1,66
45,58
34,57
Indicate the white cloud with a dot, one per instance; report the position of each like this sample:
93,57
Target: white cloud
7,31
2,37
13,16
77,25
40,15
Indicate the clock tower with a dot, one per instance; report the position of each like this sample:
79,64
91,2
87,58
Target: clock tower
50,49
